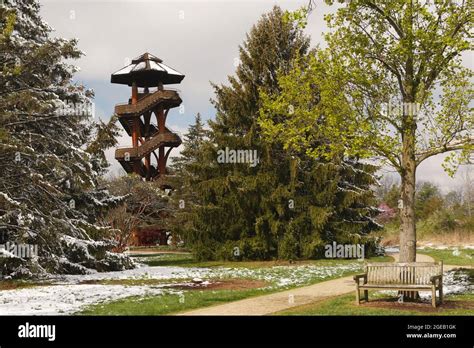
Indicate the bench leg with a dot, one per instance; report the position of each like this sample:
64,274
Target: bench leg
366,295
433,296
441,293
357,295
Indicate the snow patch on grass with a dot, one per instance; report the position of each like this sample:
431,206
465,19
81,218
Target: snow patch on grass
65,299
67,295
454,282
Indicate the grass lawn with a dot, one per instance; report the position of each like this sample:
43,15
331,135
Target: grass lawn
465,257
383,305
135,282
169,302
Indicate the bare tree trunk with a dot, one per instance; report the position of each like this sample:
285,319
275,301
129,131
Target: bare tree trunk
407,214
468,190
408,176
408,159
407,211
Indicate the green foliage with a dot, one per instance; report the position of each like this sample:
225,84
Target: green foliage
437,214
288,247
428,200
105,137
185,196
361,101
299,17
363,81
392,196
287,206
8,24
390,85
446,220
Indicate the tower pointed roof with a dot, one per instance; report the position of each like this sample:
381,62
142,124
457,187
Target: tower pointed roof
147,70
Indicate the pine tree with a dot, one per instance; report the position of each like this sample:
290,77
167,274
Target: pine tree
287,206
185,195
51,153
191,146
105,137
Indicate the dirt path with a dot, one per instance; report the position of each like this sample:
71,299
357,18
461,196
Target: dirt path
276,302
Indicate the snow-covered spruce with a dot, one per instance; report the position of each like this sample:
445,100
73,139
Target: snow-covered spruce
50,161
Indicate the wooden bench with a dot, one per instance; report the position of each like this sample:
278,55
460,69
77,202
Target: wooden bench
412,276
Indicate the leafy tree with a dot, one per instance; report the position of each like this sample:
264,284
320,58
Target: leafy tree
392,86
51,152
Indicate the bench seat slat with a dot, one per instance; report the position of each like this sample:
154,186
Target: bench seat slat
395,286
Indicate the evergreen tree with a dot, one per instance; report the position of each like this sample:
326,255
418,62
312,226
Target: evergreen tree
192,142
185,196
428,200
287,206
51,153
105,137
392,196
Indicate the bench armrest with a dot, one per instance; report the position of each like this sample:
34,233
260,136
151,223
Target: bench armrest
359,276
436,277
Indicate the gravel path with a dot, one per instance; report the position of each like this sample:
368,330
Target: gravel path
279,301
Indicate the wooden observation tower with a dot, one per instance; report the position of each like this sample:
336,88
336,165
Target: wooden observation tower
149,74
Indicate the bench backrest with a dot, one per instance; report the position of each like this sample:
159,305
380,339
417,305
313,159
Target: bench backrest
418,273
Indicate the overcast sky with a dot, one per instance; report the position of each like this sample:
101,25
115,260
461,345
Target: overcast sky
196,37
